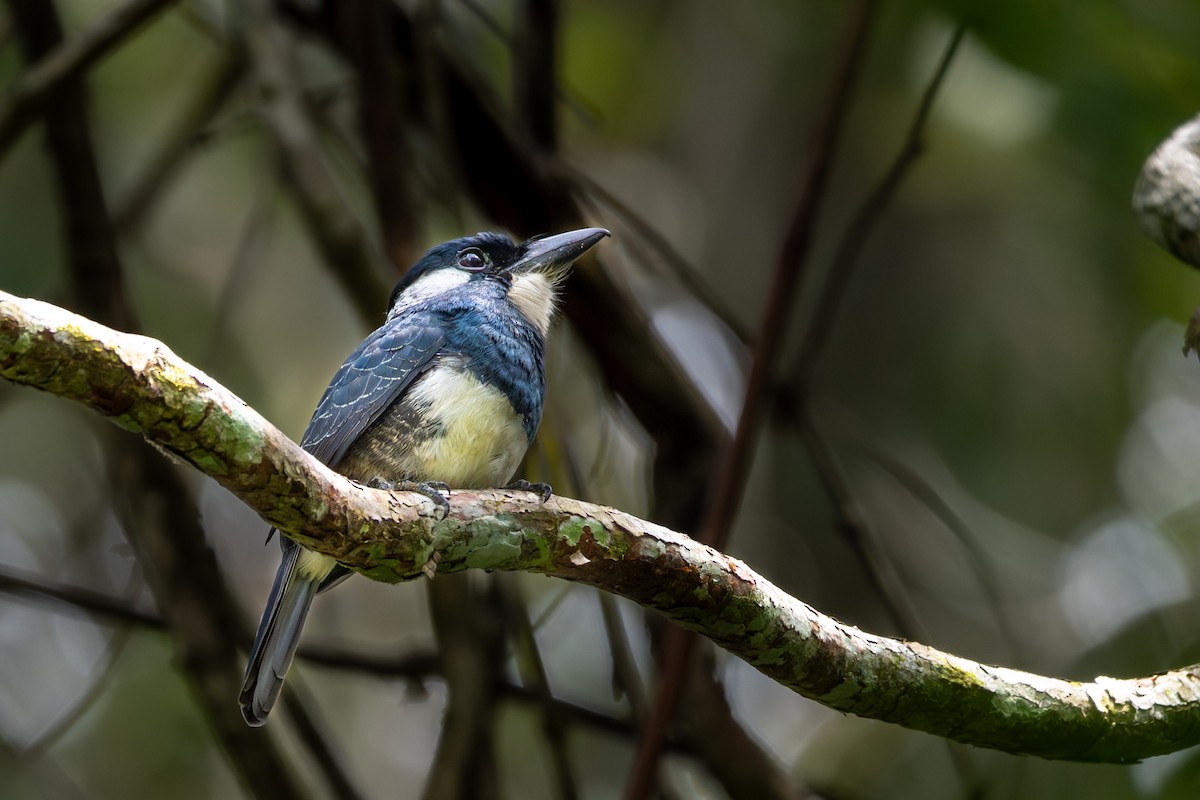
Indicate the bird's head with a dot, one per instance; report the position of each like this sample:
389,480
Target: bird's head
530,271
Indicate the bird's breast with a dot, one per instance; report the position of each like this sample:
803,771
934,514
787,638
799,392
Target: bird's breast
449,426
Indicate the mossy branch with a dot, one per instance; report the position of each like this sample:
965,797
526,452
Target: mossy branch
394,536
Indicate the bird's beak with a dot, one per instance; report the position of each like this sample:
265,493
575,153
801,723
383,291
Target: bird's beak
553,254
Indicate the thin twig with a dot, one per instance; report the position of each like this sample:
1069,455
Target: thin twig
53,780
533,673
338,234
859,231
245,260
210,96
658,245
730,473
418,666
852,522
105,665
111,609
626,678
35,88
158,514
361,28
977,559
313,734
470,645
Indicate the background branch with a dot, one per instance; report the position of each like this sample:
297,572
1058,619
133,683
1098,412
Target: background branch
27,96
729,474
1003,361
341,238
416,667
160,518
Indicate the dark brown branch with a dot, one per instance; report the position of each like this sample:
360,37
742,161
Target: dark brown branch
470,645
535,71
852,522
361,31
339,236
108,608
211,96
96,277
159,517
418,667
58,68
858,232
729,477
534,676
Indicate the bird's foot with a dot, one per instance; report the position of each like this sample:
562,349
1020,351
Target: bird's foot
436,491
542,490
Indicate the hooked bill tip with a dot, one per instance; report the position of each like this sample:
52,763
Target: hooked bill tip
557,251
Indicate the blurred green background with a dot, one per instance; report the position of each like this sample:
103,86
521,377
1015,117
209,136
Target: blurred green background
1004,378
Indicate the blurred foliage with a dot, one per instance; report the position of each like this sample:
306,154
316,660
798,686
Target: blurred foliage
1009,340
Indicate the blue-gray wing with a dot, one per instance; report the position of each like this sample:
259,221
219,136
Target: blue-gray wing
369,381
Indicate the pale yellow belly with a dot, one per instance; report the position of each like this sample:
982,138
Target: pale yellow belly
449,427
483,440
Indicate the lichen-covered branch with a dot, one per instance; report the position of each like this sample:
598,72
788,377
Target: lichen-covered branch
145,388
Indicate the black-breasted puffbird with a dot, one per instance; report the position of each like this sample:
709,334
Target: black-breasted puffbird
447,392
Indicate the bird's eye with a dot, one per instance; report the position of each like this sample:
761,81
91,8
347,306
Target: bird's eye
472,259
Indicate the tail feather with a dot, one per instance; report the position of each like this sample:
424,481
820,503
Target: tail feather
278,633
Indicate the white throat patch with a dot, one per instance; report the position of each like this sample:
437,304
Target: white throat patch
534,295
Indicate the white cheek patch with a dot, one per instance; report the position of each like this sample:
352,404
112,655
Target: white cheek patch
430,285
534,295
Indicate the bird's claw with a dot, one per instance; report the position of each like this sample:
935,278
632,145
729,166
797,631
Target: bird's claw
437,491
542,490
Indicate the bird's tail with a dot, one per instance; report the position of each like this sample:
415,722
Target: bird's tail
278,634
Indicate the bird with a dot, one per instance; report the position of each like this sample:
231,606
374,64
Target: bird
448,392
